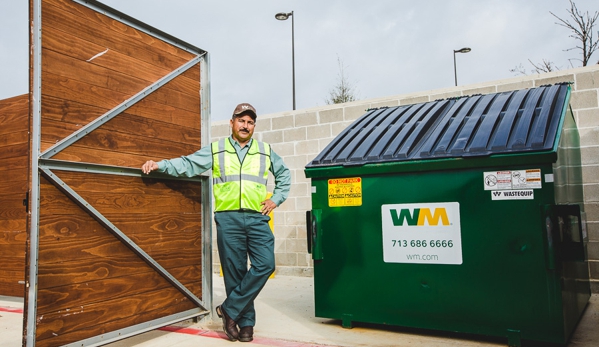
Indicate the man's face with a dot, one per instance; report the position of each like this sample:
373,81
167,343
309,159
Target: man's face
243,128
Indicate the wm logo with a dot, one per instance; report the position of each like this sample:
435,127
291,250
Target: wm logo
420,217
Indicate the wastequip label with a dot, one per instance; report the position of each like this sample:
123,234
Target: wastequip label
425,233
512,184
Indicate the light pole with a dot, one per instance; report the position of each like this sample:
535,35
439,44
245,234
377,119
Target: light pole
284,16
455,71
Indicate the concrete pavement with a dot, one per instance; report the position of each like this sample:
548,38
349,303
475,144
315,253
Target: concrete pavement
285,310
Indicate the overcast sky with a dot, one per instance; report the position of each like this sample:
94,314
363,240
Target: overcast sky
388,47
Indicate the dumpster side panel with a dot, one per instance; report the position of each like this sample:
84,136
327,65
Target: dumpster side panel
504,282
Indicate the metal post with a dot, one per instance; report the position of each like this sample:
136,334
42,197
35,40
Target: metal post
455,70
293,56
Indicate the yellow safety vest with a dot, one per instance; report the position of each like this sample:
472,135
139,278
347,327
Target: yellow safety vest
239,185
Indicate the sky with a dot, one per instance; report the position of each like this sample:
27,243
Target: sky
387,47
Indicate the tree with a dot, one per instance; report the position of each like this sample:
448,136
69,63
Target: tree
544,66
343,91
582,27
582,31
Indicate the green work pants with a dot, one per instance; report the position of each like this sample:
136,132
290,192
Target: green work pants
243,235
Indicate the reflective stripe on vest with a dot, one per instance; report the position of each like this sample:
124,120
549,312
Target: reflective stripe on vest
239,185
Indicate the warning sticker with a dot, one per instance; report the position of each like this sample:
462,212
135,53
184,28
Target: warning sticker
345,192
515,179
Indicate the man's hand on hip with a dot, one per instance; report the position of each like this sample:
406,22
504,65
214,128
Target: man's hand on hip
267,206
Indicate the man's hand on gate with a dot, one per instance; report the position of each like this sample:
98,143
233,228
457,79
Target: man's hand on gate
149,166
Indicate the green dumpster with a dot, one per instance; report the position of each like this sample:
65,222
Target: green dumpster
463,215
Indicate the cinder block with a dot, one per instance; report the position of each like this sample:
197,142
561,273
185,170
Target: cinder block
220,130
298,134
589,137
288,205
300,189
414,100
285,259
296,162
283,122
263,124
587,80
390,103
553,80
590,174
280,245
273,137
447,95
589,155
283,232
284,149
295,218
306,147
331,116
480,90
352,113
584,99
514,86
305,119
593,250
594,269
591,193
304,259
592,211
587,118
297,245
319,131
593,231
337,128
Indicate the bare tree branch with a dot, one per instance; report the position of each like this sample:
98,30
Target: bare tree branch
582,31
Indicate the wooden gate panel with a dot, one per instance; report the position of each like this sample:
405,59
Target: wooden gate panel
70,239
115,247
14,149
107,32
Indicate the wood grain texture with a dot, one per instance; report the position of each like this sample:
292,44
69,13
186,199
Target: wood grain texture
107,315
14,153
122,313
97,28
89,281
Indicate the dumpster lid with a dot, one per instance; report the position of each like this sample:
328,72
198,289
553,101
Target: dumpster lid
479,125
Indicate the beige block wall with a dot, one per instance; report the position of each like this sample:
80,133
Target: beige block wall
298,136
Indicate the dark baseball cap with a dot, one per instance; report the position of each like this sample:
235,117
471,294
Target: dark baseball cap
245,108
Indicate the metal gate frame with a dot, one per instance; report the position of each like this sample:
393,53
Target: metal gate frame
43,164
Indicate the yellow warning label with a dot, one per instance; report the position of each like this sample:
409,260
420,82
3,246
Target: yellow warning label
345,192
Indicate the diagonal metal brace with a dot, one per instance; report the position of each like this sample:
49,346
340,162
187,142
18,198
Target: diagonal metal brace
96,123
63,187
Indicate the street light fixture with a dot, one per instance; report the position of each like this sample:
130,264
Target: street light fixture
455,71
285,16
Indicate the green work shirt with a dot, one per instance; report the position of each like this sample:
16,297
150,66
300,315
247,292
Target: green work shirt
201,161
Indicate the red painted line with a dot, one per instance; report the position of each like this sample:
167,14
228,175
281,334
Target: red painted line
221,335
11,309
208,333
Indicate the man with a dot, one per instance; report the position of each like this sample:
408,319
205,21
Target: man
240,168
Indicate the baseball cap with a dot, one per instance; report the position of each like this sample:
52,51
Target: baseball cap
245,108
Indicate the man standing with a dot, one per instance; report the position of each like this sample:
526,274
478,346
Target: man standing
240,168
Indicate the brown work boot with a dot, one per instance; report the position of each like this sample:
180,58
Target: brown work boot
229,325
246,334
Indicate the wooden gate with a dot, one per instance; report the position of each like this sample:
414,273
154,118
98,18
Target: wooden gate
14,154
112,252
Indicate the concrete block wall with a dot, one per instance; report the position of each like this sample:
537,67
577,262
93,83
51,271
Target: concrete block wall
298,136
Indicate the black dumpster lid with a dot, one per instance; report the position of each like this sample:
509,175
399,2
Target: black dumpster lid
478,125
